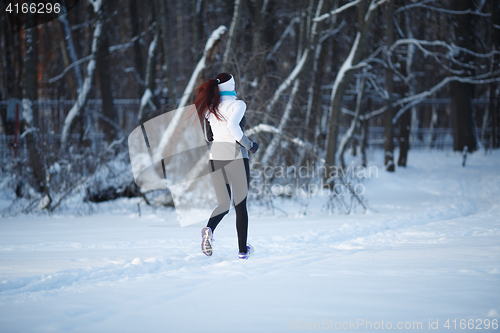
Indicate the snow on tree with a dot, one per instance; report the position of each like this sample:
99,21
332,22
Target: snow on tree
76,110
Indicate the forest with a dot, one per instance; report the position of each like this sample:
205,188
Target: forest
324,81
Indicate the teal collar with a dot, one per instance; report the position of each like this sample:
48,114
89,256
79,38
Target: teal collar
227,93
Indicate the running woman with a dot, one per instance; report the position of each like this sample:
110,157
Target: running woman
218,108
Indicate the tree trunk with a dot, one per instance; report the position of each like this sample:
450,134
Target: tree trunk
13,60
407,119
495,87
354,122
197,27
389,113
232,35
138,61
104,73
30,115
314,111
73,90
163,20
365,128
463,122
149,80
344,76
404,138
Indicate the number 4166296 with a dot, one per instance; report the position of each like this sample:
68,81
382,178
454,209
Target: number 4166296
34,8
472,324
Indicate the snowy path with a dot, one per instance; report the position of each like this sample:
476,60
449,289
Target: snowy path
431,252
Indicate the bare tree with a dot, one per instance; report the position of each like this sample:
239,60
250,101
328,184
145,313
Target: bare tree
172,131
134,18
389,84
350,131
146,98
346,73
30,115
495,88
69,54
271,148
232,34
87,84
464,123
161,8
104,68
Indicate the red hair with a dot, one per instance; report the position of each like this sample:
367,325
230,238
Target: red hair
207,96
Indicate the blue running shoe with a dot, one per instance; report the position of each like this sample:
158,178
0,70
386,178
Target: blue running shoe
206,241
248,254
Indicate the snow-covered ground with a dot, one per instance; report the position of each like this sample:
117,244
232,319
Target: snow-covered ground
428,252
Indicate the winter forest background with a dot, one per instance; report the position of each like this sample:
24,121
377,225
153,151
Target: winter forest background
322,79
407,91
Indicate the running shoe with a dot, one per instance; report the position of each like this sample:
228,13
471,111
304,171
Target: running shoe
206,241
248,254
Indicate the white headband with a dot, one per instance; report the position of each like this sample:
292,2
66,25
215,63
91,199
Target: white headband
228,85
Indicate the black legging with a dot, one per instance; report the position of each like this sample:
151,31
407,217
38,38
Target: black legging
235,175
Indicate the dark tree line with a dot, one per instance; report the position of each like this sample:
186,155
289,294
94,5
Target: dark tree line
322,72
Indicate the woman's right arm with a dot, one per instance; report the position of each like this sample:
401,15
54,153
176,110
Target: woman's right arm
233,124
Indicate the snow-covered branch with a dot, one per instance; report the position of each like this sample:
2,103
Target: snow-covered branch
79,61
136,74
336,11
146,97
76,63
452,49
125,46
264,6
271,148
264,128
373,5
96,4
309,148
232,34
71,50
214,37
415,99
332,32
451,52
441,10
373,113
288,81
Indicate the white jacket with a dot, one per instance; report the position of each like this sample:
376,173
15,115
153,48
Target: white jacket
227,130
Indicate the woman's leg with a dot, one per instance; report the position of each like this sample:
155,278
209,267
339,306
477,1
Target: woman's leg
239,176
222,191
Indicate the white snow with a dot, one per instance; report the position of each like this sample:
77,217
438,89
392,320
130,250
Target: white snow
28,111
430,252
